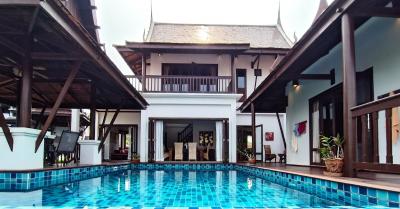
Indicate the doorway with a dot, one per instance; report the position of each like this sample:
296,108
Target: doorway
326,118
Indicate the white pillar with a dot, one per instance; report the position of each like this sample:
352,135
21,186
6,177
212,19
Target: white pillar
89,152
23,156
75,120
159,126
218,140
144,123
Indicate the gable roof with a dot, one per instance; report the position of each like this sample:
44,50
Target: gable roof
258,36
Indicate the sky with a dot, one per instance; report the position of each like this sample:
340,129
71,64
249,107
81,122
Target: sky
126,20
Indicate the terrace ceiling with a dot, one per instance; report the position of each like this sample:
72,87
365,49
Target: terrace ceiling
57,42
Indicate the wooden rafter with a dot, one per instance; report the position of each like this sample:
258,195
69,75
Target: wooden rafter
393,12
103,139
63,92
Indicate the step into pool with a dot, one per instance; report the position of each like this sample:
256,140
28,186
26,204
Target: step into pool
159,187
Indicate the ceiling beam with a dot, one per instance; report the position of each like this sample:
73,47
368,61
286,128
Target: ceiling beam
378,12
57,56
11,45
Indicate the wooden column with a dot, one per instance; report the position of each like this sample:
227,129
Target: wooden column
233,73
349,92
144,72
104,137
25,96
253,129
281,129
92,128
388,122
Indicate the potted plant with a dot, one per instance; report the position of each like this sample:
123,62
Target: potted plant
332,153
135,158
250,157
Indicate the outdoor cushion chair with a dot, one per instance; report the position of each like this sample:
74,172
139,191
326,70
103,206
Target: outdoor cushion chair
192,151
268,155
178,150
66,146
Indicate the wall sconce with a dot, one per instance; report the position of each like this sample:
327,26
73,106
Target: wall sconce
295,83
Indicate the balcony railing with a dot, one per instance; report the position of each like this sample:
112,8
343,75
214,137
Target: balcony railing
182,84
368,131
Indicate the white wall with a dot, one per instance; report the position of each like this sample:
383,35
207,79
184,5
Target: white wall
377,46
123,118
269,123
188,106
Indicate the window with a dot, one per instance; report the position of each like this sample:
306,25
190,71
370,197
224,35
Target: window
241,83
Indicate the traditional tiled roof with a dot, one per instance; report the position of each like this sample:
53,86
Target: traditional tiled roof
258,36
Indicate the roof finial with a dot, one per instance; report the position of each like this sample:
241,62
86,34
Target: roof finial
295,37
323,4
151,11
279,22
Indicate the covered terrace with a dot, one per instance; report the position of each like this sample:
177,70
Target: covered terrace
49,60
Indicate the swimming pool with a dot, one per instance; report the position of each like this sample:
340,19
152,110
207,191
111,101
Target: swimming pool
163,186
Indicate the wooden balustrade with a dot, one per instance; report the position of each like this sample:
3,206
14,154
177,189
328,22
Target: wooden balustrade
183,84
367,132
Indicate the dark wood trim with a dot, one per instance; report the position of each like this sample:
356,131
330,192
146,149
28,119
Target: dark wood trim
6,130
330,76
378,12
26,86
104,119
144,73
262,144
74,71
349,91
375,137
253,129
103,138
233,74
241,90
377,105
281,129
378,167
92,116
389,152
40,118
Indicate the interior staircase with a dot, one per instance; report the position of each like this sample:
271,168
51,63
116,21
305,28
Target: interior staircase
186,135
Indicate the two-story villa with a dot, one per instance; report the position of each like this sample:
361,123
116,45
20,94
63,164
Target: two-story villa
194,78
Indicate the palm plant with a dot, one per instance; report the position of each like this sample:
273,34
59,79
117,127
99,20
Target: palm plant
332,147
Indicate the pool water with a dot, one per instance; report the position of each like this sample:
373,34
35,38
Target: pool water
149,188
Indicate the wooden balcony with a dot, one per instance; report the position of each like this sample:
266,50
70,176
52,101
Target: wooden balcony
371,121
182,84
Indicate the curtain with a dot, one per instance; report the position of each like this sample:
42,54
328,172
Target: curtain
315,136
159,137
218,140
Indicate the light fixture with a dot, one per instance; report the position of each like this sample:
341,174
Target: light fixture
295,83
249,142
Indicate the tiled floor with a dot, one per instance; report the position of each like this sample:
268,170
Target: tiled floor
377,180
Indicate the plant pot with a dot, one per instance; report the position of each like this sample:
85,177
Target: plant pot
135,161
252,161
334,167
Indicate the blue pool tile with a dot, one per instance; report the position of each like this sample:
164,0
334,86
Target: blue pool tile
371,192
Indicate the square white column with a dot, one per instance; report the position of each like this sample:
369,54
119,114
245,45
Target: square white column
89,154
23,156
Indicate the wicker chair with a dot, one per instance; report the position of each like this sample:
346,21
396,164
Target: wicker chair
268,154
